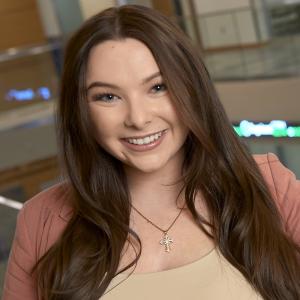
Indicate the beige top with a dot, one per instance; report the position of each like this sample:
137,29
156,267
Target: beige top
212,277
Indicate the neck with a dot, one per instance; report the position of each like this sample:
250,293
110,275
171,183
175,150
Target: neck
159,189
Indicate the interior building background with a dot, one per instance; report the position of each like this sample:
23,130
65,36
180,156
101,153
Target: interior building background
251,49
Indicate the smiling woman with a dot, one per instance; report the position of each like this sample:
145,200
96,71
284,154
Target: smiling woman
155,195
133,114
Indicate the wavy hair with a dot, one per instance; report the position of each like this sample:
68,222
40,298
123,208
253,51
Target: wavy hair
82,263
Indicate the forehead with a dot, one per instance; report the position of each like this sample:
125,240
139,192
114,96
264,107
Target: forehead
119,59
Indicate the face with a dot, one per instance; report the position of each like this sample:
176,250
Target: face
131,110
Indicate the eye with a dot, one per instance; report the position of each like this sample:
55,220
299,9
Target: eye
105,97
159,87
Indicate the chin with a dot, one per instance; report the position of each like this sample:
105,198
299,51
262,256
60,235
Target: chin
146,167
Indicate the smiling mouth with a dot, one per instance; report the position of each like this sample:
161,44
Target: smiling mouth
146,139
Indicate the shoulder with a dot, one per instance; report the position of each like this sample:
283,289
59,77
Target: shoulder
262,159
54,200
43,218
40,222
279,178
285,189
268,165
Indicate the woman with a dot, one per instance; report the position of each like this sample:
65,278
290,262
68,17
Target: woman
159,203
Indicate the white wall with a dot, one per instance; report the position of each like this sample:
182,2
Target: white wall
208,6
92,7
217,25
228,22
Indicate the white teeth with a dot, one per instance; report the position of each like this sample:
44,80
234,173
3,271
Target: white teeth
146,140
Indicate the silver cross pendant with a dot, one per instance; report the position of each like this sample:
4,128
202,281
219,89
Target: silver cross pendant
166,241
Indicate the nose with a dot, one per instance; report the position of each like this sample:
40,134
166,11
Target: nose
138,115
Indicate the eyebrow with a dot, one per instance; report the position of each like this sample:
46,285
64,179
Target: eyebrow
110,85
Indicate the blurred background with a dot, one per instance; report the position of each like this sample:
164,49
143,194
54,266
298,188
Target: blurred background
251,49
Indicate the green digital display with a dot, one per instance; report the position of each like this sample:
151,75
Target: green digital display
275,128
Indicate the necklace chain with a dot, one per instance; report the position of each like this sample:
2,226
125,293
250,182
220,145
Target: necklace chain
162,230
166,240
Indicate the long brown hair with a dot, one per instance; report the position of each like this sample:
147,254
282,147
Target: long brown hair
244,221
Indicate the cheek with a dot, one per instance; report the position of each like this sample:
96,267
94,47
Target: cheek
174,118
104,123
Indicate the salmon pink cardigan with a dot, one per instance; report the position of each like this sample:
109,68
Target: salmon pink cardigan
43,219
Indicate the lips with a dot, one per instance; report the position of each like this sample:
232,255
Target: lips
143,136
144,146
